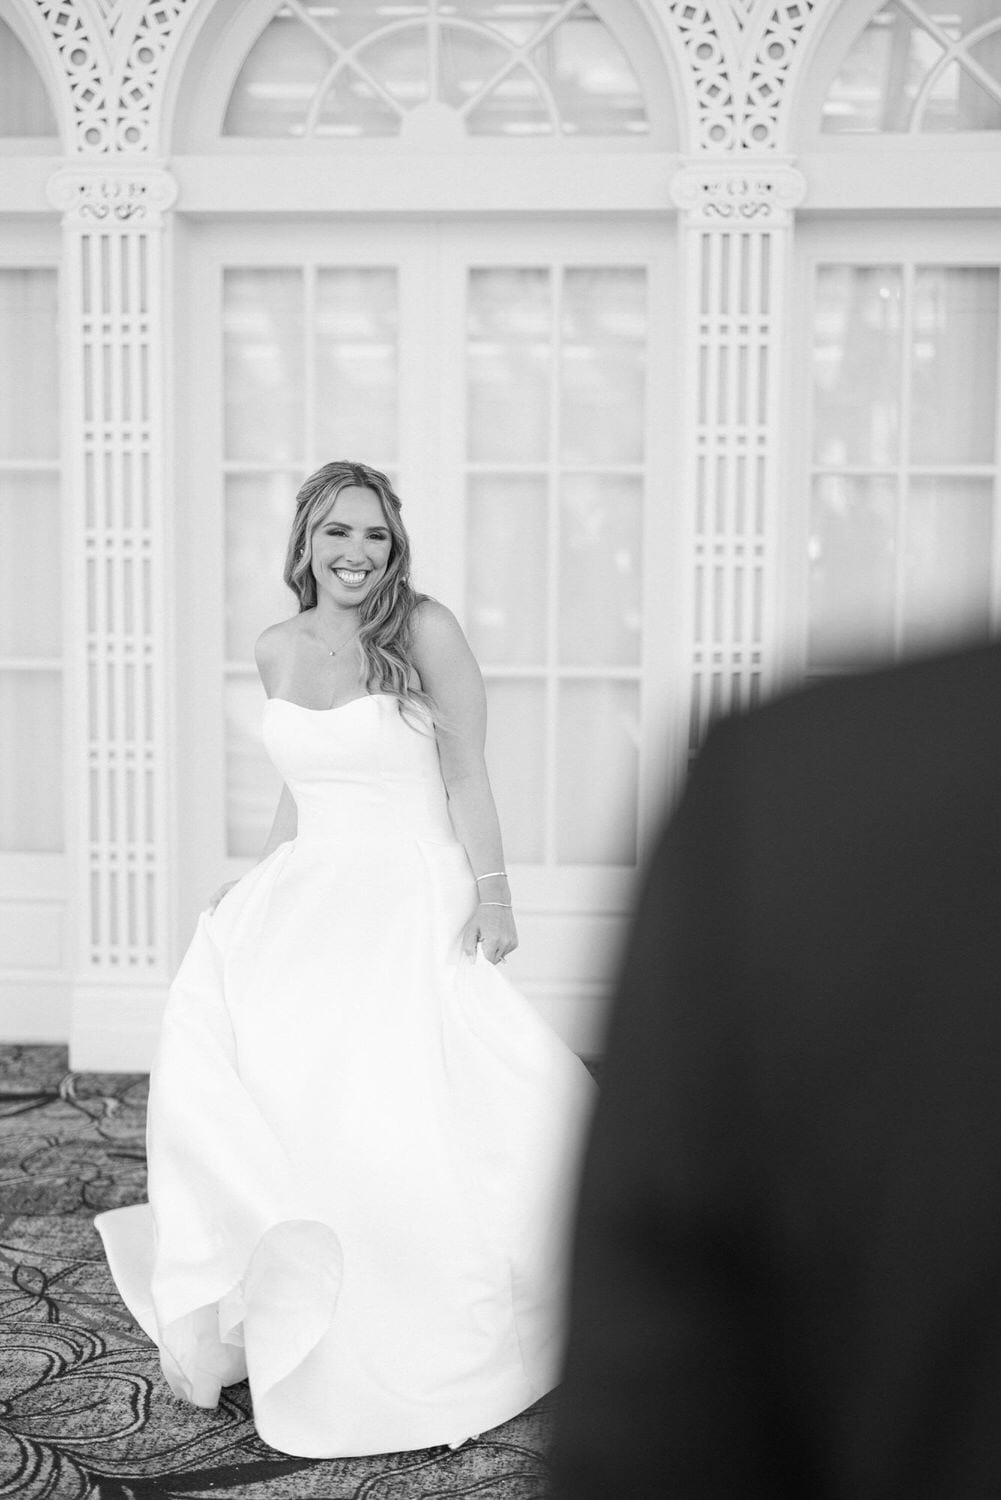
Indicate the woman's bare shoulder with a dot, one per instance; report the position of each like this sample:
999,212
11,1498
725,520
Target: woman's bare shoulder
273,643
276,636
432,620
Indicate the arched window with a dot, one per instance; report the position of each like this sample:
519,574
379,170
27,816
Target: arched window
462,67
24,105
920,66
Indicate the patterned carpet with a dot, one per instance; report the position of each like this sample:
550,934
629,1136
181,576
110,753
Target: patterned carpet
84,1411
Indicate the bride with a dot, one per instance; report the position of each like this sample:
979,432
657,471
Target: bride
362,1140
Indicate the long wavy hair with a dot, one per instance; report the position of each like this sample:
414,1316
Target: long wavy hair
385,615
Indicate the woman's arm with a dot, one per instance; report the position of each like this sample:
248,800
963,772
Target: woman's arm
286,820
285,823
450,676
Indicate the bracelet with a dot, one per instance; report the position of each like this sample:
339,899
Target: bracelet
490,873
495,903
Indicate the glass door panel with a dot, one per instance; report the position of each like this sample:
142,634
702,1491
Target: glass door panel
902,550
508,393
310,373
31,695
555,461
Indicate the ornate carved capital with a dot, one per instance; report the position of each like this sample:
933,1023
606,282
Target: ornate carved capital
738,193
113,197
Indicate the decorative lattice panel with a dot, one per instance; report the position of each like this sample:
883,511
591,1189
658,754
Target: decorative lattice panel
760,117
709,70
111,57
113,265
735,244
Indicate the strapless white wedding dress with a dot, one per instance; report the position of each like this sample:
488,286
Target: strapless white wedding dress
363,1146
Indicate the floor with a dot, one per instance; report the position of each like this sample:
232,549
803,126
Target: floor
84,1411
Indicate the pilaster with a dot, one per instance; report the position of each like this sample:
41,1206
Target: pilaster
737,217
114,226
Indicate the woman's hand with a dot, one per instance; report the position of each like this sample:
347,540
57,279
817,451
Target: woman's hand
493,928
217,896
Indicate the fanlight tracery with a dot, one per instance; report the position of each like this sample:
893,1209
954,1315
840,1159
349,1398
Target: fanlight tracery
509,68
921,66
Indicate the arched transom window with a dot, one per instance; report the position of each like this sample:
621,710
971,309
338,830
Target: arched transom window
921,66
24,105
508,68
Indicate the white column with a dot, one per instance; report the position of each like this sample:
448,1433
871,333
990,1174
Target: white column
736,231
119,542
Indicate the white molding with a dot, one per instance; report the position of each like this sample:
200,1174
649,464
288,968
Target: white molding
126,196
578,1013
905,174
742,193
34,1007
115,1026
363,182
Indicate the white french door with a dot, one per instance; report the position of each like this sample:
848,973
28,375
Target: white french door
896,548
514,382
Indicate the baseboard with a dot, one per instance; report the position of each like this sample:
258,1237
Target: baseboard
577,1012
115,1027
34,1008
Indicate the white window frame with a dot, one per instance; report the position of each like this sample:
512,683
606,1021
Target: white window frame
820,240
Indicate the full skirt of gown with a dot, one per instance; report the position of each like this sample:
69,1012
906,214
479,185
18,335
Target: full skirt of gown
363,1146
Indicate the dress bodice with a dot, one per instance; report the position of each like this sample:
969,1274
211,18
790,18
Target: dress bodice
361,770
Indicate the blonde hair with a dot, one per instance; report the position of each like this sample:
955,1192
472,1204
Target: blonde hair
386,613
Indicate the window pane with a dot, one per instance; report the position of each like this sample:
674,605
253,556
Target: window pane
259,510
252,783
468,61
282,72
603,365
880,77
897,62
954,364
596,90
507,551
29,370
856,365
353,107
852,570
356,350
959,101
950,542
509,363
399,64
600,557
24,104
31,762
514,107
516,757
30,531
597,773
264,359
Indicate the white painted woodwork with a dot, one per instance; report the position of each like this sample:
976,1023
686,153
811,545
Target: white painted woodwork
731,200
120,557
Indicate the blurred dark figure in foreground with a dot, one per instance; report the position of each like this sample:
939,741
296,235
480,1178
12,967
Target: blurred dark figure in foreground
788,1265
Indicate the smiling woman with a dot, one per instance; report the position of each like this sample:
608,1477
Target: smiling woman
348,563
363,1140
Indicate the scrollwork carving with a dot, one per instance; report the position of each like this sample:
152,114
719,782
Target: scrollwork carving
738,193
113,199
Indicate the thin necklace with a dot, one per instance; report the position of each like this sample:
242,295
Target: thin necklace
333,650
